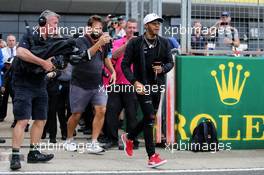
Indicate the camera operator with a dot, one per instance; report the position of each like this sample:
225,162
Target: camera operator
30,95
86,83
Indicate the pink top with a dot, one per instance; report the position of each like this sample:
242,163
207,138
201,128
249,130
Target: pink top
120,77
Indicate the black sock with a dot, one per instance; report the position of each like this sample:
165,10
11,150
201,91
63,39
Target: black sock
15,152
33,147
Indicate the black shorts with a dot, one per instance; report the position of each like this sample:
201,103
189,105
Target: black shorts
30,102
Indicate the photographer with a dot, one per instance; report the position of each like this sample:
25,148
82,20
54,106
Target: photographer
86,83
151,57
226,36
30,95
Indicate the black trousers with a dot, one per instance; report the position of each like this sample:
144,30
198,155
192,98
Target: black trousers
115,103
58,104
51,125
63,108
88,116
149,105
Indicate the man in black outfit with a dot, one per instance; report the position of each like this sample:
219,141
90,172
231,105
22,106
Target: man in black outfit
151,57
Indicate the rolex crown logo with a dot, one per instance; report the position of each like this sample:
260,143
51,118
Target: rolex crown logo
231,91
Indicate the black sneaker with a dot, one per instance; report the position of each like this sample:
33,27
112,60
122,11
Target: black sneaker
15,162
63,137
103,139
110,144
53,140
87,132
37,157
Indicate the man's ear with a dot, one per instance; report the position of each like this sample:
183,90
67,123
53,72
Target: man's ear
146,27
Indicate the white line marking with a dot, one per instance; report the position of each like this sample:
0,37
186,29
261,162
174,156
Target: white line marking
138,172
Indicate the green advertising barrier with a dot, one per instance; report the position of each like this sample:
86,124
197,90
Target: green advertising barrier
227,90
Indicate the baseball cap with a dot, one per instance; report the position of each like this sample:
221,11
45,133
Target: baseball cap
152,17
225,13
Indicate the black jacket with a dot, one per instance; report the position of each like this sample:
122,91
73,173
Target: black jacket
134,54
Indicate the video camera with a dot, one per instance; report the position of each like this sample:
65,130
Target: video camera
63,50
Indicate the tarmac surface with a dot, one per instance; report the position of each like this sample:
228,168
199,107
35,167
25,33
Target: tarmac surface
114,161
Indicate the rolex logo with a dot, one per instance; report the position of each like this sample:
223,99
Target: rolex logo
230,91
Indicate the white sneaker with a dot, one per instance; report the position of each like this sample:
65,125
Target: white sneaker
95,148
70,146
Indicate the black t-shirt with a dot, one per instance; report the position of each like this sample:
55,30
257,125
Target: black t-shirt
21,77
151,55
88,75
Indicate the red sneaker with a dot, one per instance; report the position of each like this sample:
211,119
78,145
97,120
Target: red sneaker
128,145
156,161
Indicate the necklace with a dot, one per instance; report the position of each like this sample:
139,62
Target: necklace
150,46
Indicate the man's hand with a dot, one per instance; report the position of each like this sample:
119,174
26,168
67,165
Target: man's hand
157,69
104,39
140,89
113,78
47,65
228,41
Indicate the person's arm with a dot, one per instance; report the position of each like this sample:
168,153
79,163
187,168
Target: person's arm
127,61
110,67
236,41
119,52
212,30
25,55
104,39
168,61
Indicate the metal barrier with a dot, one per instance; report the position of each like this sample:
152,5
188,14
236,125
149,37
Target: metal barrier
214,27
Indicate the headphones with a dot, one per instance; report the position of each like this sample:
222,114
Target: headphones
42,21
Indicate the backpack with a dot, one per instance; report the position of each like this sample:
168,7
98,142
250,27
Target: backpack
204,137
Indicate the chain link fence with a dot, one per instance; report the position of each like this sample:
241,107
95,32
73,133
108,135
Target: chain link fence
223,27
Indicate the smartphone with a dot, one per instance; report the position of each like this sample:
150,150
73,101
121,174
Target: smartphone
136,33
223,23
